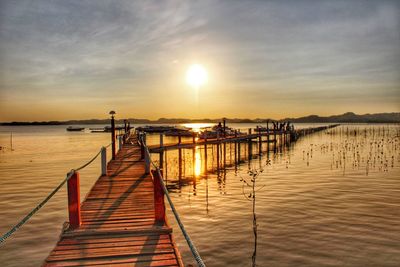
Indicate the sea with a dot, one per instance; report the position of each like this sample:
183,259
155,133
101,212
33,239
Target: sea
331,198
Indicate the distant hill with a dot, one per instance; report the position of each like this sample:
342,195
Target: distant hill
351,117
348,117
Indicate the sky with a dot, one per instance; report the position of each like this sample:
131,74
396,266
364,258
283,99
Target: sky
79,59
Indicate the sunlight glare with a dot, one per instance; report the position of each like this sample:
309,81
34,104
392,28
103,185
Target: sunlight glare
197,162
196,76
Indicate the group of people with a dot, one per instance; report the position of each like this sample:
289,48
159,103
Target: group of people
279,126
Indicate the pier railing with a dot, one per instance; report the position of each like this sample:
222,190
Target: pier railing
73,187
72,180
160,190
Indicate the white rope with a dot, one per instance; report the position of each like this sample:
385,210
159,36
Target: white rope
191,245
41,204
37,208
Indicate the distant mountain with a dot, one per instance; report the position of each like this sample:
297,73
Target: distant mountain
351,117
348,117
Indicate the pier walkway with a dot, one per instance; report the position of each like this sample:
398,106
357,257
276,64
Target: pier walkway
118,222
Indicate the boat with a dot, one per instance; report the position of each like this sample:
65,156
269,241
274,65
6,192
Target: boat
217,131
155,129
75,129
207,134
180,131
106,129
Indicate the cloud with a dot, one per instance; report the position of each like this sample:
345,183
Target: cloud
110,49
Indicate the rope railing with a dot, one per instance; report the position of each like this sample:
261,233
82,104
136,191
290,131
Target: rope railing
41,204
189,241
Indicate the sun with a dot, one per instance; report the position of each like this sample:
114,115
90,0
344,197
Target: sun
196,76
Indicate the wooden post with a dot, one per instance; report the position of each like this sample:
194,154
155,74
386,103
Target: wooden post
74,203
224,156
235,145
180,163
179,139
205,157
194,138
113,137
224,121
161,140
146,163
103,161
239,152
250,145
159,206
259,143
142,149
217,156
120,142
250,148
161,159
194,161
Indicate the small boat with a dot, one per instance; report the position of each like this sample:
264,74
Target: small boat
217,131
180,132
155,129
75,129
106,129
206,134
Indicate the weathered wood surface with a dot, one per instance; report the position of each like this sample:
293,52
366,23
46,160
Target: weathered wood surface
118,222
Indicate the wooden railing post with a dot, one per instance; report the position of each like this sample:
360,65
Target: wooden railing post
161,139
146,163
74,203
159,206
120,142
142,152
113,137
103,161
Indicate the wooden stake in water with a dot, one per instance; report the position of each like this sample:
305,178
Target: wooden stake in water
11,141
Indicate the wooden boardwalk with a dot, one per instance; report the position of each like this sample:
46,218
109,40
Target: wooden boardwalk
118,222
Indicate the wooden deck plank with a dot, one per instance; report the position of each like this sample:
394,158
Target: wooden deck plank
118,222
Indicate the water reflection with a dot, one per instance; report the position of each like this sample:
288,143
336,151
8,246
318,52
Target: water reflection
197,162
207,173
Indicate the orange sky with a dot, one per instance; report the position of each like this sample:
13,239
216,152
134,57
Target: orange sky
78,60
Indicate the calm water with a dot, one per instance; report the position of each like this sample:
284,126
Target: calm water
330,199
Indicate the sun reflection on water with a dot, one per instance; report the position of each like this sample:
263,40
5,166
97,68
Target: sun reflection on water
197,127
197,162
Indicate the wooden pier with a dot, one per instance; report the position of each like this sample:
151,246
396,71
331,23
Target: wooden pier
122,220
243,145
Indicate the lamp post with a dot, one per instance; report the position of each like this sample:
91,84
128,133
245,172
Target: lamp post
112,113
224,123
